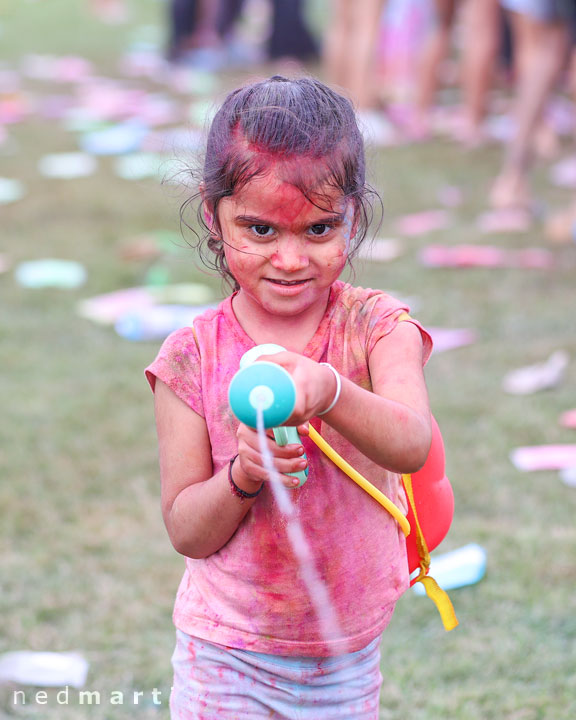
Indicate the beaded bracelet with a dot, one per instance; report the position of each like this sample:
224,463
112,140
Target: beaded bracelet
237,490
338,388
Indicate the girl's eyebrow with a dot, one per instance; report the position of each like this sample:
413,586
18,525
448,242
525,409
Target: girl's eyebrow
328,219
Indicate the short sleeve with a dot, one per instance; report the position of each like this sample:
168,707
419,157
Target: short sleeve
426,337
385,318
178,366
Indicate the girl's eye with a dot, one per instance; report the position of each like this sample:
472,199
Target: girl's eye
320,229
262,230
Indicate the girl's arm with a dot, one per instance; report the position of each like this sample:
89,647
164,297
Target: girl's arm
390,425
200,511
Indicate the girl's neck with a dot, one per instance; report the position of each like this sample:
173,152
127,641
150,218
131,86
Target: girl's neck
293,332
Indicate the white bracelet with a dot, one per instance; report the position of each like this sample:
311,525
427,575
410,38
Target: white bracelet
338,388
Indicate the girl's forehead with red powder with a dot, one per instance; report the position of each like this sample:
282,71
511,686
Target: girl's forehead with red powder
275,197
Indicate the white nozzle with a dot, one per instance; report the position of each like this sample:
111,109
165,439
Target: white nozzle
261,397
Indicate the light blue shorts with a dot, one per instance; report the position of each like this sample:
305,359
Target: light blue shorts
213,682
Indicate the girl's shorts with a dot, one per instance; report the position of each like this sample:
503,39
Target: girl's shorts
213,682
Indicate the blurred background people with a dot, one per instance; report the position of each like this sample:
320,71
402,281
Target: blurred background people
290,35
482,31
541,35
560,226
194,33
350,48
202,33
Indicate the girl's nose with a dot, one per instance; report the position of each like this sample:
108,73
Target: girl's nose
290,255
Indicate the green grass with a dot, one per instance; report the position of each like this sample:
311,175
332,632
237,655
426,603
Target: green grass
86,563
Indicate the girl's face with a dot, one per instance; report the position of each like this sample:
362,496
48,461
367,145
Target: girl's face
285,252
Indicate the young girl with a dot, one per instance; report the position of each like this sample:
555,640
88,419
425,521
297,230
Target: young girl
285,204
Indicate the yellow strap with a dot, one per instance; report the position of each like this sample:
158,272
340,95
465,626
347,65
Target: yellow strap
438,596
360,480
443,603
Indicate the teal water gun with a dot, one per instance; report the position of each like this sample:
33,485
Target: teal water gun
264,385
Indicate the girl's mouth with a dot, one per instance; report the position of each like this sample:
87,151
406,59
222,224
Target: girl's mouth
288,283
288,287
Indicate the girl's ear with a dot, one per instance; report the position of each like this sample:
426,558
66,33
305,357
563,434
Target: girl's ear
355,222
209,218
207,209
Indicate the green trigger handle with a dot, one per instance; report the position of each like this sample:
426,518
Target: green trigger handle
285,435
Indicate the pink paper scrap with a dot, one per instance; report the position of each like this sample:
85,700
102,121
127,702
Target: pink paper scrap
108,100
55,107
107,308
423,222
451,338
71,69
381,250
544,457
568,419
509,220
65,69
450,196
462,256
561,114
158,109
15,108
563,173
111,13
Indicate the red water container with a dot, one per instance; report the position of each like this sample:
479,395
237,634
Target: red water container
433,498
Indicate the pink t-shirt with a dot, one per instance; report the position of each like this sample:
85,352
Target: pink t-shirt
250,594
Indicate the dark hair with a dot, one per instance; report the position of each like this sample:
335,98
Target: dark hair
288,119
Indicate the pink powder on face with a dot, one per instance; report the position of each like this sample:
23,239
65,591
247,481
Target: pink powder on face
268,227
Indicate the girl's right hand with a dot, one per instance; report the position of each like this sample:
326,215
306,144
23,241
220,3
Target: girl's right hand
249,471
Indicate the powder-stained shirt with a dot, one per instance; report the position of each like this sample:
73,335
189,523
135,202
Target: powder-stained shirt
250,593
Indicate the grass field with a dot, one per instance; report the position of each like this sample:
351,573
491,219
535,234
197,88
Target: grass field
86,562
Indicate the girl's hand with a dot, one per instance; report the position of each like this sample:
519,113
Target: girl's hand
315,384
248,471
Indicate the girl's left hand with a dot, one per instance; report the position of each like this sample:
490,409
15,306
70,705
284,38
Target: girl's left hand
315,384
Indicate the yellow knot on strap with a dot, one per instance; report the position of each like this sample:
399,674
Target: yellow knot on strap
438,596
